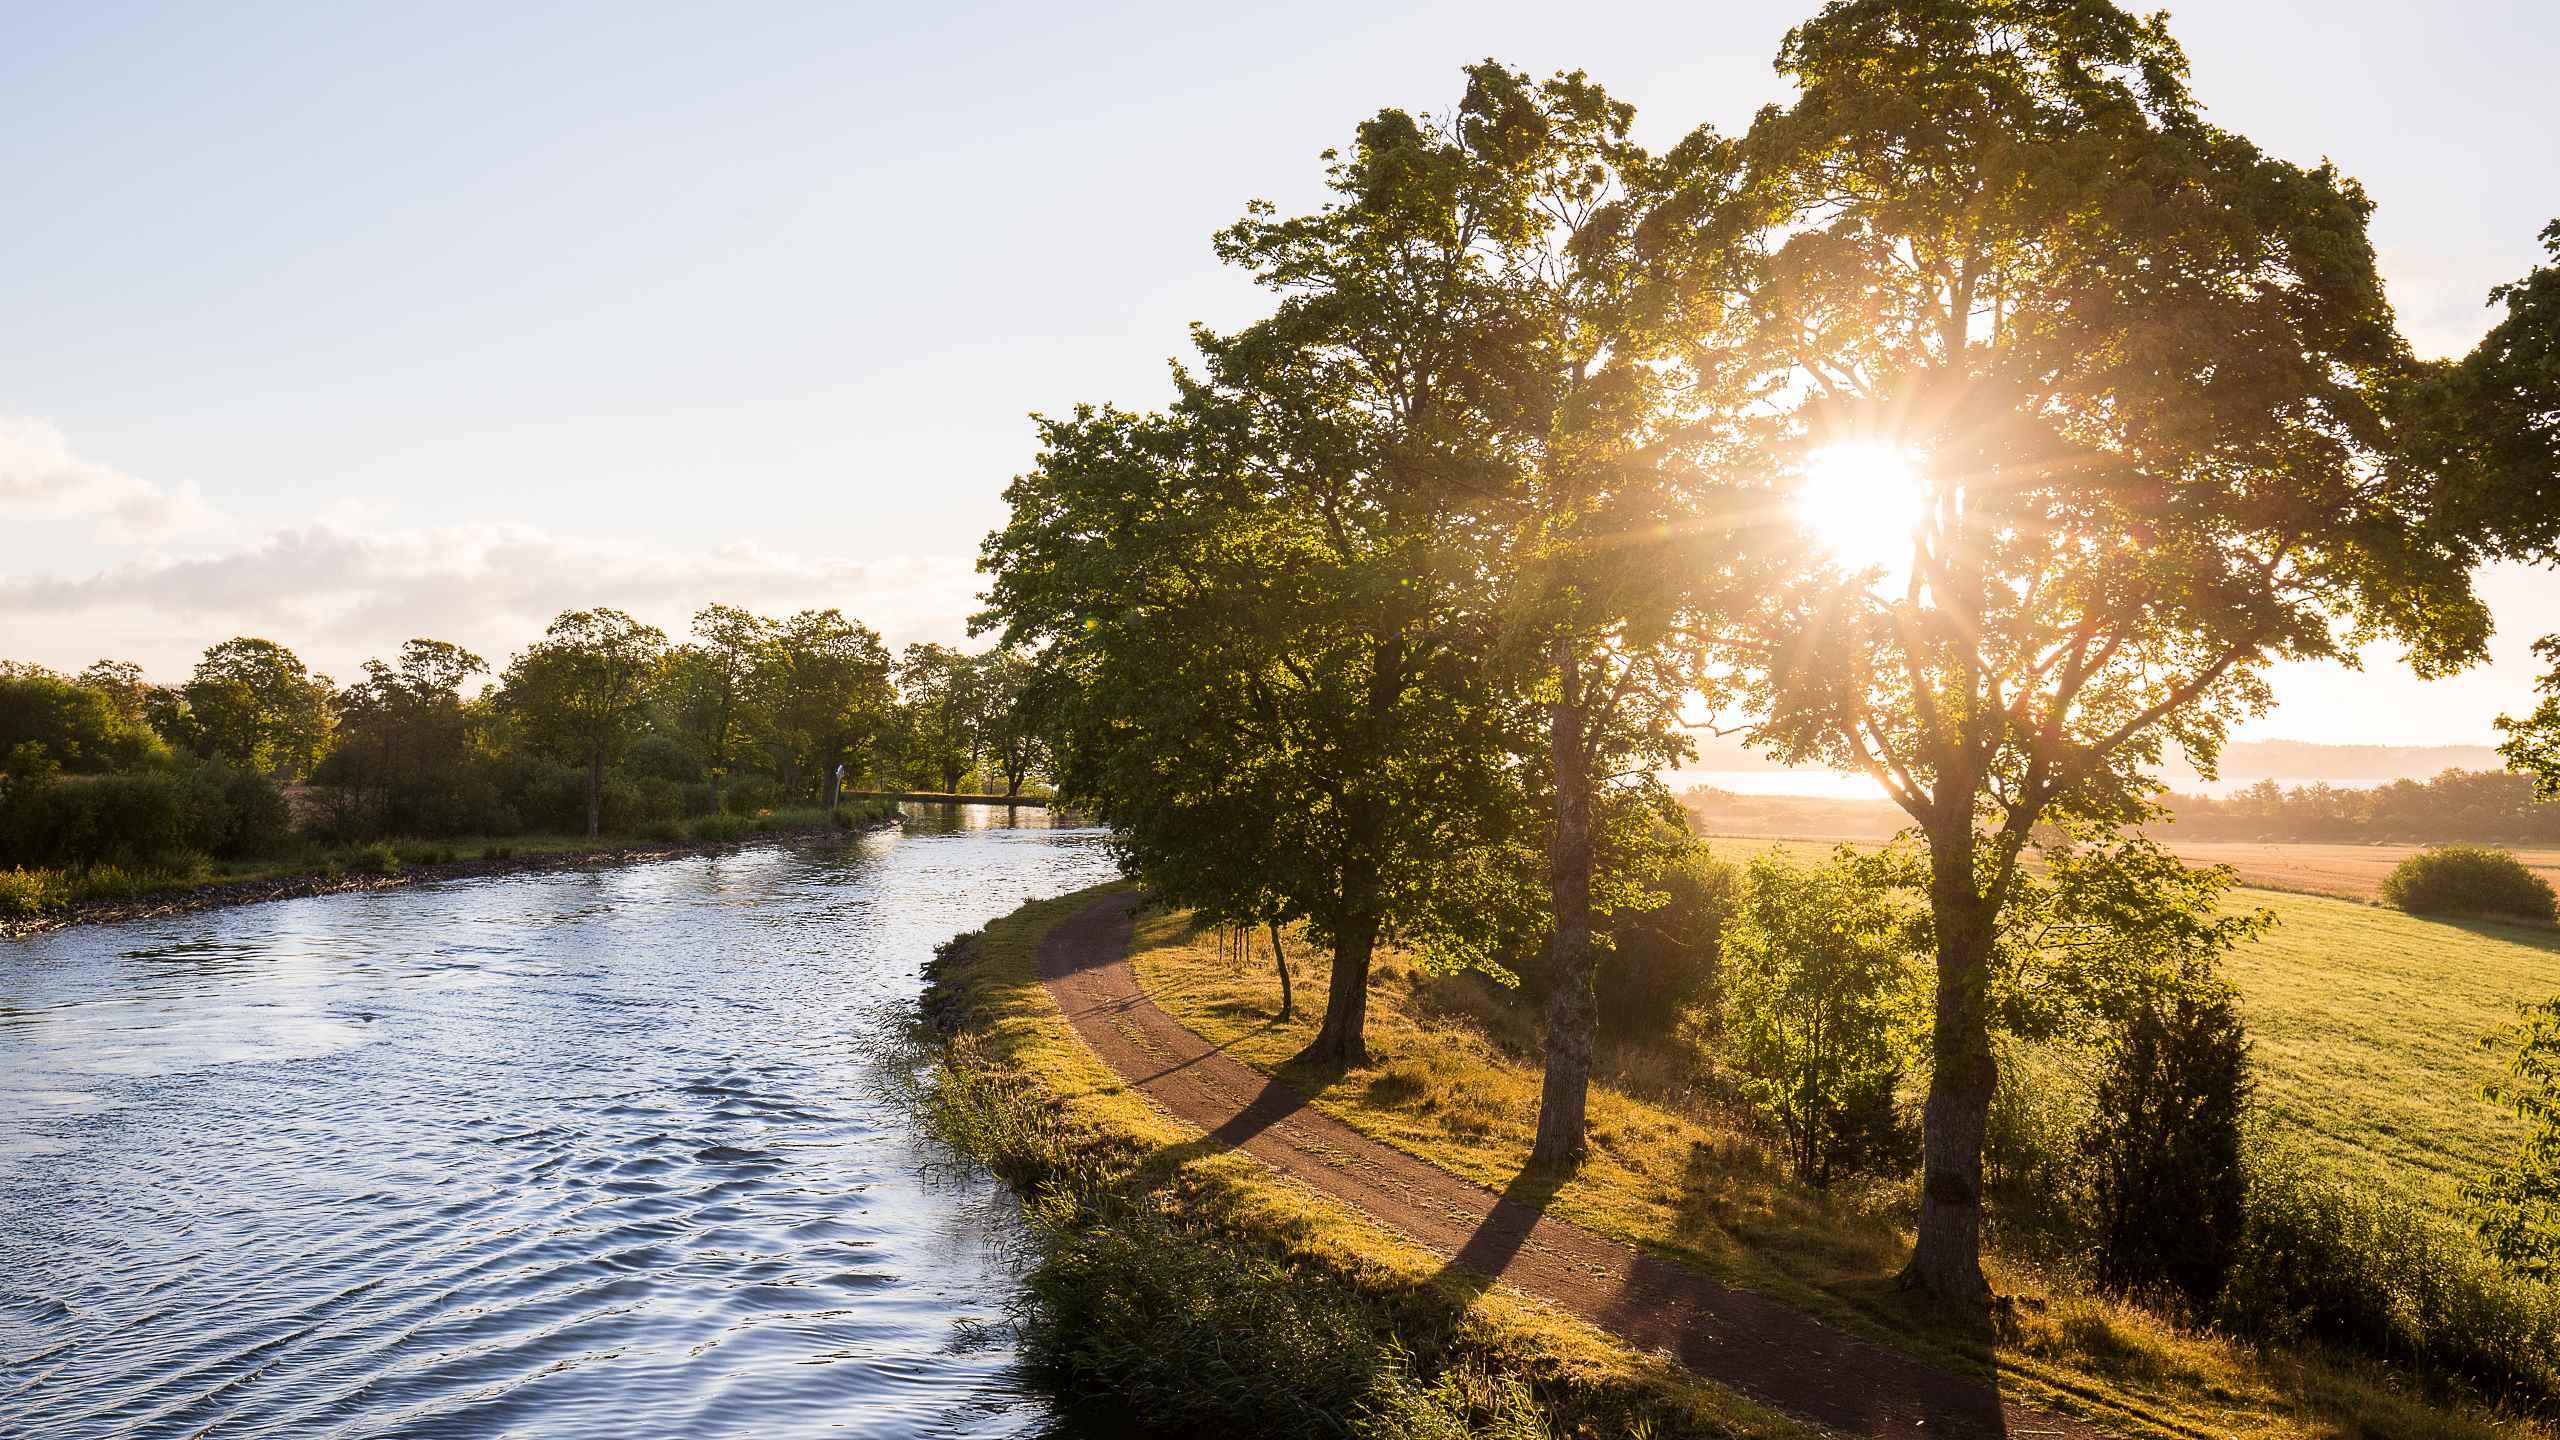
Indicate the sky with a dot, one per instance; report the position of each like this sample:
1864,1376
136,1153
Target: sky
342,324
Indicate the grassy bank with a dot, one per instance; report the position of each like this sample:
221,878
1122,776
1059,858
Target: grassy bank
1677,1171
43,899
1188,1288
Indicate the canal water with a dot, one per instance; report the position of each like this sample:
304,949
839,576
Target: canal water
620,1152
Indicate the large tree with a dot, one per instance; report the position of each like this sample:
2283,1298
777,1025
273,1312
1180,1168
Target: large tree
401,727
714,686
253,702
581,691
1009,731
828,681
1601,269
2138,376
1259,682
939,686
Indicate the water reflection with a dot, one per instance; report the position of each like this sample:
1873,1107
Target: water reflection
612,1152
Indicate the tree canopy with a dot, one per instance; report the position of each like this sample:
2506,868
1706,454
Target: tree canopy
2140,376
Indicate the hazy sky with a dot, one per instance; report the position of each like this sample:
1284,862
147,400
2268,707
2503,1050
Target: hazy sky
344,324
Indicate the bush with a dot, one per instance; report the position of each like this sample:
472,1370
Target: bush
25,894
719,829
377,858
669,831
2468,880
2324,1260
144,819
1662,961
2164,1148
1820,961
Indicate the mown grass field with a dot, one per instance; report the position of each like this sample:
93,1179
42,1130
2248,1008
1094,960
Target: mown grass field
2367,1021
1675,1170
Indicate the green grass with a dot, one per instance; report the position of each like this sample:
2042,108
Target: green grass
1022,1091
2367,1024
1676,1171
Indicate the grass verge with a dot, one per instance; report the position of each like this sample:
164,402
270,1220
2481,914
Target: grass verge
1191,1290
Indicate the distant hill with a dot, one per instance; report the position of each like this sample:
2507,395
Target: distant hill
2306,760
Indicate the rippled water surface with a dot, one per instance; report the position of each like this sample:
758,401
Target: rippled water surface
612,1153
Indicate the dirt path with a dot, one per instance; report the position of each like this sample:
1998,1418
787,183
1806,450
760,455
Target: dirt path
1776,1355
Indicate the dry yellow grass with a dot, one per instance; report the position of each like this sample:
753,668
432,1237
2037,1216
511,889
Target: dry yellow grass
1007,1020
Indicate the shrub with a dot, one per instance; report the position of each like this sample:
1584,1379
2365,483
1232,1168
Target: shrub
664,830
377,858
719,829
2516,1205
1819,962
25,894
2033,1168
2325,1260
142,819
1662,962
2164,1147
2468,880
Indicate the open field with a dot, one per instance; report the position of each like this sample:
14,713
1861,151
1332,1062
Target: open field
2367,1024
2367,1021
2350,872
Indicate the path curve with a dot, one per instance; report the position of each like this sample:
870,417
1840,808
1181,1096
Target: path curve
1778,1356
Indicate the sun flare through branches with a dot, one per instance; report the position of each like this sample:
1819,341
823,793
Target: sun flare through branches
1864,501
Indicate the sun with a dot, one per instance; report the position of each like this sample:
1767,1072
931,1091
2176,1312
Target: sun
1864,502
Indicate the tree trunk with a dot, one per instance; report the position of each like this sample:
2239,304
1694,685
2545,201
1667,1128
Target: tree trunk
1343,1039
1563,1102
1947,1261
595,794
832,787
1279,957
719,787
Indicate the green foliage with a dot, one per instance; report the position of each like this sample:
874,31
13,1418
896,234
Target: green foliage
78,726
378,858
579,693
829,681
944,713
1818,997
667,831
1662,961
252,702
718,829
145,818
2516,1205
2325,1258
2164,1147
2454,805
2145,376
2468,880
1264,685
2099,929
27,893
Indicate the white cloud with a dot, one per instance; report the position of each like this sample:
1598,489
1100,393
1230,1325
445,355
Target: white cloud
338,595
39,474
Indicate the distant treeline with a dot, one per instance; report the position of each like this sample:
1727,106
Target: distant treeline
2495,806
601,725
